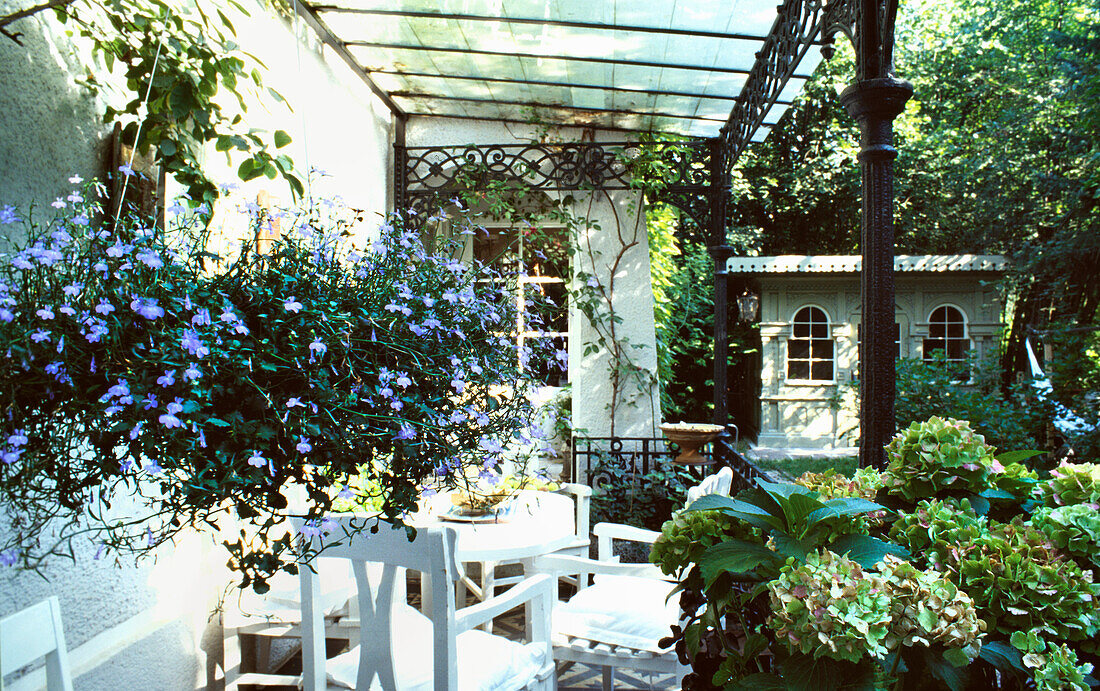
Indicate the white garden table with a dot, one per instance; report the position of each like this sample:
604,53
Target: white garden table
538,523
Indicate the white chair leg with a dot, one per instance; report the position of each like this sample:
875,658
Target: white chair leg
488,587
608,678
231,657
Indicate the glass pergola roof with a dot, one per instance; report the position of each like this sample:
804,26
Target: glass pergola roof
673,66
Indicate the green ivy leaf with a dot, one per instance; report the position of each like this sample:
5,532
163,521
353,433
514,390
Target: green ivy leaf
281,139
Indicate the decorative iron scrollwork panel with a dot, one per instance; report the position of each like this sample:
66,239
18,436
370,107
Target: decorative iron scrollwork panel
800,25
557,167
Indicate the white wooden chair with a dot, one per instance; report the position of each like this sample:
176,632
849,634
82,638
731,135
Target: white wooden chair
403,650
276,615
718,483
618,621
35,633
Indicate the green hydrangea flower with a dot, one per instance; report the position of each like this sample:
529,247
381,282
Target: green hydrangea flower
940,455
830,607
928,609
1075,529
1071,483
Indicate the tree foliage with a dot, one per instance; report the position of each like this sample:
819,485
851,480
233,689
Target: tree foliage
999,152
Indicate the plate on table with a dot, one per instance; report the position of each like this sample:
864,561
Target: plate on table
500,514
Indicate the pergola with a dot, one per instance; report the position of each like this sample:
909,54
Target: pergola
719,74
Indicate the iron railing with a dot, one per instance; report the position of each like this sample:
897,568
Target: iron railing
595,457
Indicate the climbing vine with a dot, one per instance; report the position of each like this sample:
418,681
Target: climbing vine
171,61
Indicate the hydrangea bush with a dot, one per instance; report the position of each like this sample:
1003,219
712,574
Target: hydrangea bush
152,386
934,592
937,455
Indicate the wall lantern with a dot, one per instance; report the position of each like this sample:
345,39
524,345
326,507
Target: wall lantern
748,303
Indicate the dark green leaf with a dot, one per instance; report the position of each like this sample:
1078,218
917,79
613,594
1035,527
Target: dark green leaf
735,556
760,682
281,139
1018,456
844,507
952,676
1003,656
790,547
798,507
979,503
803,673
866,550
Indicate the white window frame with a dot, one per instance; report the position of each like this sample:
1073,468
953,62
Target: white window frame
523,281
809,359
946,339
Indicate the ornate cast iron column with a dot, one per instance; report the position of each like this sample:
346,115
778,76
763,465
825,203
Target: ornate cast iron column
718,193
874,101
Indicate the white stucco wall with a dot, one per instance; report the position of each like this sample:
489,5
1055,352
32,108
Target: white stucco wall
617,219
149,625
50,127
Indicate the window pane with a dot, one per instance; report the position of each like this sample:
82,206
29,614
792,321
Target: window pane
822,371
822,350
801,330
956,349
798,349
819,329
798,369
547,253
931,345
499,248
550,313
547,362
955,330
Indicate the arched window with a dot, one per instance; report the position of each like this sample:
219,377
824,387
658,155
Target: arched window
810,352
947,333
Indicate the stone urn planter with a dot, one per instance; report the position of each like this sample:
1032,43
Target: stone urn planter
690,436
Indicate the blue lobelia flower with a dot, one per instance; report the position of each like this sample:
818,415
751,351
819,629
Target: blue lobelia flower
193,344
406,432
291,304
147,307
8,215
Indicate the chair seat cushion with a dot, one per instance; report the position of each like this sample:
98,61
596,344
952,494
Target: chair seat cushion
629,611
485,662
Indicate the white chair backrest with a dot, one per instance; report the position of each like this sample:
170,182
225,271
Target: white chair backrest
719,483
378,561
34,633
